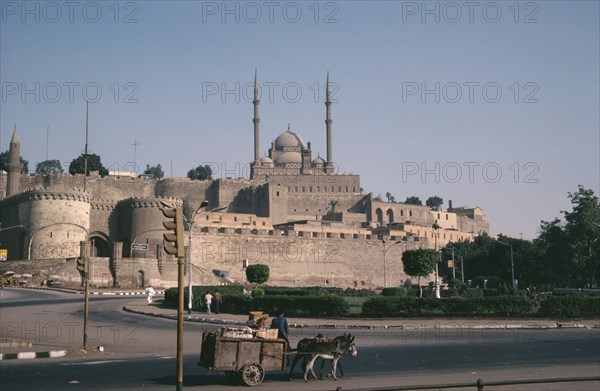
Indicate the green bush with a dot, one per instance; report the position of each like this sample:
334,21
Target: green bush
258,292
573,306
397,292
390,306
298,306
258,273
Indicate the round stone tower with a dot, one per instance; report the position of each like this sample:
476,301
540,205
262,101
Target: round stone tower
58,221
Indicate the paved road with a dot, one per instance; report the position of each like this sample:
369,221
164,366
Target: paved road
139,352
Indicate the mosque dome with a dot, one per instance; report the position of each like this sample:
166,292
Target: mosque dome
289,157
289,139
265,160
318,161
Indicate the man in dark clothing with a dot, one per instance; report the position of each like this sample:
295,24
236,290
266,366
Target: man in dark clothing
281,324
218,301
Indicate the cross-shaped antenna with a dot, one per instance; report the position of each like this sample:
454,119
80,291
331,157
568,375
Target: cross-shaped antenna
134,145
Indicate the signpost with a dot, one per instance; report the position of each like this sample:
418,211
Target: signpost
3,254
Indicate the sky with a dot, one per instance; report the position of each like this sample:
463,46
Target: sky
486,103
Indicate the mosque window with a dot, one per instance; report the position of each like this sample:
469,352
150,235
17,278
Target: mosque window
401,212
329,235
277,194
234,218
314,234
438,215
346,189
295,189
446,216
50,234
339,189
410,213
318,189
354,236
353,189
342,236
310,189
332,189
368,237
304,189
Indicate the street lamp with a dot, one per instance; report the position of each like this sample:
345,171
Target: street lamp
512,264
384,251
436,227
190,224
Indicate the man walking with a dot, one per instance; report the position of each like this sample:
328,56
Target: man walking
208,300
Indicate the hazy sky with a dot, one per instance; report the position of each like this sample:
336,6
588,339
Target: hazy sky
490,104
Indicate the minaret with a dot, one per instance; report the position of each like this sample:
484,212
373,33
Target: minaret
328,122
256,120
14,165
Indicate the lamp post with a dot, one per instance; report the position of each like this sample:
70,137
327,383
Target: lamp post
436,227
512,264
190,224
384,251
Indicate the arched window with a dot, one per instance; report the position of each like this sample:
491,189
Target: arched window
390,216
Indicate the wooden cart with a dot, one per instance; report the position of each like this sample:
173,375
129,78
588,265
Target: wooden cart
243,358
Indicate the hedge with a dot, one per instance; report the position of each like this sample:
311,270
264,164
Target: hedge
574,306
297,306
394,306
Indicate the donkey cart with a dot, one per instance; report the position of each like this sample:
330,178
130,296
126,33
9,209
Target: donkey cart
242,358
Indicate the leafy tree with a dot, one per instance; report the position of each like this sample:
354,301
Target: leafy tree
257,274
156,172
49,167
413,200
582,229
389,196
434,202
4,163
200,173
572,250
419,263
94,163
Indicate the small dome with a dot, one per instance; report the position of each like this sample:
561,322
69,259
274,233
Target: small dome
265,160
289,139
318,161
289,157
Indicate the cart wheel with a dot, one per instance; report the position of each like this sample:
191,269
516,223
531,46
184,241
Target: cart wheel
252,374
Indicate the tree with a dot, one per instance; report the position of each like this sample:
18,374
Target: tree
434,202
156,172
413,200
49,167
94,163
4,163
257,274
419,263
200,173
388,195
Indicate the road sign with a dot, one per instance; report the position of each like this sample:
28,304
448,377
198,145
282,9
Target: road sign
3,254
139,246
450,263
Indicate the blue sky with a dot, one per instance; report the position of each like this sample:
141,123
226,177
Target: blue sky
492,104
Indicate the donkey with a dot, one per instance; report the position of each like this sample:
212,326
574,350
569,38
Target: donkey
310,349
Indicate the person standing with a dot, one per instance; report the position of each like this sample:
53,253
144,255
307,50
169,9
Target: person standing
218,301
151,292
208,300
281,324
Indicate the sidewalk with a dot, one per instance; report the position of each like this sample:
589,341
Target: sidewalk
158,309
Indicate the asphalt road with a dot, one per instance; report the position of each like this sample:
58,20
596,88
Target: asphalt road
140,352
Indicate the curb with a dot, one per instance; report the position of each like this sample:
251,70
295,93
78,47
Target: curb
110,293
512,326
33,355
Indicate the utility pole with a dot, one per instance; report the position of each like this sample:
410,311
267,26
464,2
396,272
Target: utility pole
85,152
